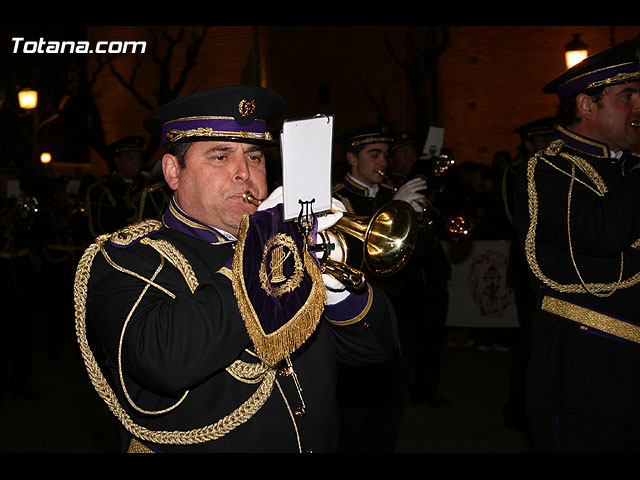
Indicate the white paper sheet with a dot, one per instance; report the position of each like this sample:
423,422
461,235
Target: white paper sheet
433,144
306,148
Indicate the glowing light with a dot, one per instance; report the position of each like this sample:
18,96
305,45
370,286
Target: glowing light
28,99
575,51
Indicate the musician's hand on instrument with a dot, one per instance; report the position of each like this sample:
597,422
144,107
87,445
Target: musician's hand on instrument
329,220
272,200
409,188
336,291
409,192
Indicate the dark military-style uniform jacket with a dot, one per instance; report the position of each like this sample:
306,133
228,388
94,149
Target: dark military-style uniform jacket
112,203
577,210
185,370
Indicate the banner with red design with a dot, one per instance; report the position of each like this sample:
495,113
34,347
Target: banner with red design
478,291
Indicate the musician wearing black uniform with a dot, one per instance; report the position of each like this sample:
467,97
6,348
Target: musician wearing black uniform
577,209
112,202
533,136
425,277
18,280
363,190
218,330
371,425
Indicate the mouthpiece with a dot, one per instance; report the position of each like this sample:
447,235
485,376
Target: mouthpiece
250,198
635,124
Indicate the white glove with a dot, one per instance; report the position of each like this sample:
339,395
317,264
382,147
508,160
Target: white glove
330,219
272,200
409,193
336,291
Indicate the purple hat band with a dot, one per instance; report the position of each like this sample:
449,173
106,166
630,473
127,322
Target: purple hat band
218,127
606,76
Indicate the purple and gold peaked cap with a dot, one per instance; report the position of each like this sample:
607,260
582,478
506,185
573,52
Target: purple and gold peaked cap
618,64
232,113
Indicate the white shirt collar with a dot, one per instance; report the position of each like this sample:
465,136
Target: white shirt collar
371,191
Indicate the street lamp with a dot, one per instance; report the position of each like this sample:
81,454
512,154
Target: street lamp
575,51
28,98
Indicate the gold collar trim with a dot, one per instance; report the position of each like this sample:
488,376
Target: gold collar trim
178,214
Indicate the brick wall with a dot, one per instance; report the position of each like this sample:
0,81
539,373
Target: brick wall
489,79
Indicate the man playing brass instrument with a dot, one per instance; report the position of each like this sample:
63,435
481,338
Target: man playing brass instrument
218,332
577,210
371,425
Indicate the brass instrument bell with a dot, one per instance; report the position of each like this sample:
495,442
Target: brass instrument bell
458,227
388,239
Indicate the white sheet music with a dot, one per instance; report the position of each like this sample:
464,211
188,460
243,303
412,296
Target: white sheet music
433,144
306,147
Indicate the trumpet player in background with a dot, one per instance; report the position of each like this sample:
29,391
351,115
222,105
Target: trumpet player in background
372,425
220,332
425,277
577,211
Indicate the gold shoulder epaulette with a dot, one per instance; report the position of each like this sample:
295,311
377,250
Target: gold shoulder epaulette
554,148
555,156
133,233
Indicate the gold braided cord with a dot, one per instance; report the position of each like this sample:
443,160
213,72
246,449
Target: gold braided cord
573,260
175,257
600,191
530,240
246,372
291,415
120,371
132,273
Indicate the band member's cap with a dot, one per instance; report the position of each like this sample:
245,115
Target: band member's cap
364,135
618,64
233,113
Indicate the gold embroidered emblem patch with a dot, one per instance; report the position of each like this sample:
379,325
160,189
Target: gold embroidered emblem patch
246,107
279,250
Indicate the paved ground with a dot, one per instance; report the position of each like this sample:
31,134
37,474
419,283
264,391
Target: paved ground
476,383
70,418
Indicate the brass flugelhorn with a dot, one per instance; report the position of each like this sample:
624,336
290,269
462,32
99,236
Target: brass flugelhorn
388,239
458,226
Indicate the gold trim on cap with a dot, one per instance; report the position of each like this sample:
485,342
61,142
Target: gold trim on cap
595,84
357,143
619,78
174,135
